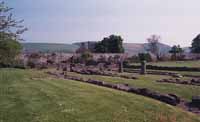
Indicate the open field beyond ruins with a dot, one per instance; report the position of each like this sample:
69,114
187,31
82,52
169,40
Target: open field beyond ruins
33,95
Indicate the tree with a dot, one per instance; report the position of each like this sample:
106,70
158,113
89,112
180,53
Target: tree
153,43
144,57
86,58
8,51
111,44
10,27
196,44
176,50
82,48
10,31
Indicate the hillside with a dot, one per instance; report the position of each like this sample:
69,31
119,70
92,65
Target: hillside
131,48
134,48
49,47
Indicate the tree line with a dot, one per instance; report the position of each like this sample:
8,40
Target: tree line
10,31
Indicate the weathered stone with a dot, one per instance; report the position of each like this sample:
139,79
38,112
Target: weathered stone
134,90
123,87
143,68
179,81
168,99
71,67
196,101
195,80
178,99
144,91
177,76
107,85
121,69
95,82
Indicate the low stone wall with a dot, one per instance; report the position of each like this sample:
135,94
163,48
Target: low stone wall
193,69
193,76
196,101
156,73
195,82
103,73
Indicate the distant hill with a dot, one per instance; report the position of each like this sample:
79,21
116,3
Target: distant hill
131,48
49,47
187,49
134,48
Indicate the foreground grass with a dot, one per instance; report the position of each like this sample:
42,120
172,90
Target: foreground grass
32,96
149,81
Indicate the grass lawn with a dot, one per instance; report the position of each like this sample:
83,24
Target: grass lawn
149,81
32,96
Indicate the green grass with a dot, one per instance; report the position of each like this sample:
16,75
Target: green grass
149,81
32,96
177,63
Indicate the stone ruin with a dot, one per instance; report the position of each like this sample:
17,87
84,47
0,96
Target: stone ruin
98,66
195,82
143,67
196,101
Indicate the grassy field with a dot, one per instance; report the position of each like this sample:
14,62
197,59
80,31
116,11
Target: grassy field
32,96
177,63
149,81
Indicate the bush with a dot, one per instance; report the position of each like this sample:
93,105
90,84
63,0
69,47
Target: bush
15,64
19,64
86,57
133,59
9,49
145,56
31,64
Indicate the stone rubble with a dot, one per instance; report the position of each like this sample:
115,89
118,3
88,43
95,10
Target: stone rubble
195,82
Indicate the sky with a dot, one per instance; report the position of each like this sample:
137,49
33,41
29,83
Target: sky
69,21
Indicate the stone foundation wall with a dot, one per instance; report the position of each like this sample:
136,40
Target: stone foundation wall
193,69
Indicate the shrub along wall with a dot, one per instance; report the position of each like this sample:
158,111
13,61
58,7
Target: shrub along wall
18,66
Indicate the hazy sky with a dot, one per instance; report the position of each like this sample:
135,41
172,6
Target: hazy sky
67,21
